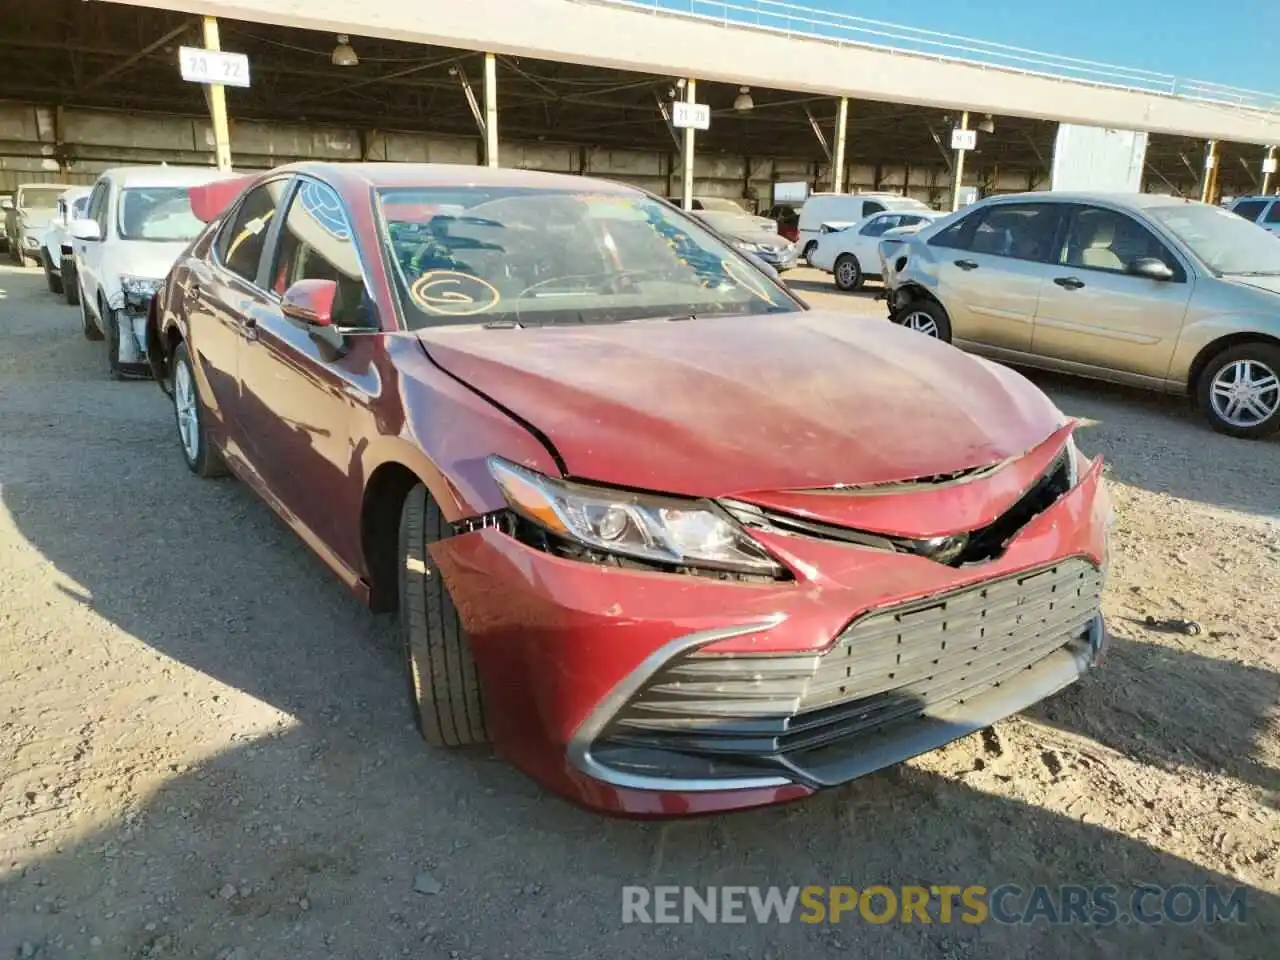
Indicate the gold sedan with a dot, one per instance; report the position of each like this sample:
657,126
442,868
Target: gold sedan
1152,291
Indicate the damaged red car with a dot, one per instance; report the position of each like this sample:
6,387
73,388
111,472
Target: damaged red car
671,540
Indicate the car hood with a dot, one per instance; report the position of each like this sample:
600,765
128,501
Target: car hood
149,259
37,219
726,405
1270,284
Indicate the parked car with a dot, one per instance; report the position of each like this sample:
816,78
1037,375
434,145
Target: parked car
601,464
6,204
852,255
1262,210
1166,294
33,207
838,210
137,221
747,234
724,207
787,218
56,253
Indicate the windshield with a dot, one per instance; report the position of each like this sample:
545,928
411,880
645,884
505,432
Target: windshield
721,205
535,256
41,198
1225,242
162,214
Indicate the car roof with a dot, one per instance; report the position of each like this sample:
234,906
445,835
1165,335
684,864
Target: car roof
450,175
164,176
1131,201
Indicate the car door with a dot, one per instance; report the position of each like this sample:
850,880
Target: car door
88,253
222,299
298,399
1094,312
992,266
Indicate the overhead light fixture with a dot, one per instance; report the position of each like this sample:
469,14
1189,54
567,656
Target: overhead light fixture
743,102
343,54
988,124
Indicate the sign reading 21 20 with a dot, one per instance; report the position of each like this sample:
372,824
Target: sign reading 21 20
213,66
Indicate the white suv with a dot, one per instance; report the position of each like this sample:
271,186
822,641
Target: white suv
55,250
137,222
1264,211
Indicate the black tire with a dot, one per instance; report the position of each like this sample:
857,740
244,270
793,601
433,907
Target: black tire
918,312
808,251
444,688
207,461
1265,359
70,283
91,331
51,279
114,368
852,272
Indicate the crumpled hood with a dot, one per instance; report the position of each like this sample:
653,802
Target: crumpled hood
719,406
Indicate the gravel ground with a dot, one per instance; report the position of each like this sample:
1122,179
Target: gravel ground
205,753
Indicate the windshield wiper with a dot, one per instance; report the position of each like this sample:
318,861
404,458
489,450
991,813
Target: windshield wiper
502,325
1254,273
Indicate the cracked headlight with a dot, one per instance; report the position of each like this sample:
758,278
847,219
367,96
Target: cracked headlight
138,290
658,529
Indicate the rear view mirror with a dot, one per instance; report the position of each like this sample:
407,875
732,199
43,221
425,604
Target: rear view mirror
86,230
1151,268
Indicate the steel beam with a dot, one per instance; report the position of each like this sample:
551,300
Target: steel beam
686,152
837,161
217,96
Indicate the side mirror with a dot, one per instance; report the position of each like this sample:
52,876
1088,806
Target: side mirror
86,230
6,204
1151,268
310,302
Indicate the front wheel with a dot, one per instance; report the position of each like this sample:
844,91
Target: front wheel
848,272
809,247
202,457
1239,391
70,285
91,331
114,367
927,317
51,279
444,688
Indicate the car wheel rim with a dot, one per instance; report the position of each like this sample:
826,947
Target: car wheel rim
1245,393
184,403
921,322
845,274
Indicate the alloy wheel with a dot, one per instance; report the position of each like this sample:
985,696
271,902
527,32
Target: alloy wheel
921,322
1245,393
185,406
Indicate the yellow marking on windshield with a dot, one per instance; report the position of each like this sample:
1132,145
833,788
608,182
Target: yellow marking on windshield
454,294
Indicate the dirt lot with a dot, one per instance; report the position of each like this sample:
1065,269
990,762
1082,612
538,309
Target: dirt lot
205,753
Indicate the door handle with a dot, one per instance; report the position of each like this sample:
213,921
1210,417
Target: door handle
966,265
1069,283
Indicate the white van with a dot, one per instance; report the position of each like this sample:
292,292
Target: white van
843,209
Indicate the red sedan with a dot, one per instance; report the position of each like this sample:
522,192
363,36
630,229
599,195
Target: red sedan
671,540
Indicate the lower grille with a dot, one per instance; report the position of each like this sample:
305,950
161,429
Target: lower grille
888,668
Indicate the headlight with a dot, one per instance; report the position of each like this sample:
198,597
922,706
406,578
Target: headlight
658,529
746,246
139,289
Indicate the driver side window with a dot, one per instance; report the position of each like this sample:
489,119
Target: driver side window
316,243
1099,239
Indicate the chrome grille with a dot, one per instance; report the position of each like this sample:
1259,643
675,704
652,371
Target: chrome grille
885,667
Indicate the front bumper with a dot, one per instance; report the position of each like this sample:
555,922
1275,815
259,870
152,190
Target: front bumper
653,694
780,260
